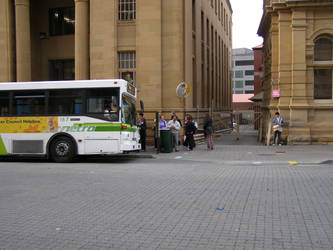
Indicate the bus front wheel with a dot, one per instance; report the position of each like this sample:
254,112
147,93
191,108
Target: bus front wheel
62,150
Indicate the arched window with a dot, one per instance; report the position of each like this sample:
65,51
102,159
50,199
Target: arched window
323,66
323,49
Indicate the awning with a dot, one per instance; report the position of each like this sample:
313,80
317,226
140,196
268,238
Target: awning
258,97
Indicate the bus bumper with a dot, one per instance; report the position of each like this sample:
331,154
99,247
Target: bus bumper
130,146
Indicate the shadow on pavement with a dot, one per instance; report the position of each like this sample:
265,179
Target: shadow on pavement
121,158
231,139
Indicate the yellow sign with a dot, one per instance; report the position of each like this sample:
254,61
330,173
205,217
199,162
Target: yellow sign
28,124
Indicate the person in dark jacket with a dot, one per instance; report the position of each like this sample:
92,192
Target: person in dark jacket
142,129
189,132
208,131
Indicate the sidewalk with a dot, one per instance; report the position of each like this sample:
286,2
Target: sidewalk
248,149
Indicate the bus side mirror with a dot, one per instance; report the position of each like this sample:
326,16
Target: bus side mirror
142,106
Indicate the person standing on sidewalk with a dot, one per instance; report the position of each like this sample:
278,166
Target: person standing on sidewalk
142,129
163,123
208,131
174,127
278,124
189,132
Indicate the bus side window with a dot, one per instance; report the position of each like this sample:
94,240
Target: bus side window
4,103
65,102
103,103
29,103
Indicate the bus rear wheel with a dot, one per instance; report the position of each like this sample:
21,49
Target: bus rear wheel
62,150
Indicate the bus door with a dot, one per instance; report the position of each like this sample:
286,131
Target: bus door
103,114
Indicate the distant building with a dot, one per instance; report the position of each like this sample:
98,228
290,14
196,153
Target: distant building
241,102
258,68
298,61
243,71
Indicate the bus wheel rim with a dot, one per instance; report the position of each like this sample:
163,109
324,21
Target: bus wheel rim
62,149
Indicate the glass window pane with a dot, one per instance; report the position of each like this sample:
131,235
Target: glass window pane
62,70
323,50
249,83
29,103
103,103
323,83
239,74
239,84
62,21
4,103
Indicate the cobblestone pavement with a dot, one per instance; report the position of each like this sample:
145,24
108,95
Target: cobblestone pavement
172,200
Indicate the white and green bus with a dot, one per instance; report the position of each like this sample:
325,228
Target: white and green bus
63,119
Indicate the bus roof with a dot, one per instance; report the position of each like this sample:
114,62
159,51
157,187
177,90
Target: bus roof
63,84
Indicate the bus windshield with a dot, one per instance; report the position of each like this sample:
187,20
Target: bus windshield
128,111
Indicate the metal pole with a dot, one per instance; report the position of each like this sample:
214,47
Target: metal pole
157,131
237,126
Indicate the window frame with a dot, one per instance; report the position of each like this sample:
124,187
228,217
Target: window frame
322,65
127,65
125,14
63,62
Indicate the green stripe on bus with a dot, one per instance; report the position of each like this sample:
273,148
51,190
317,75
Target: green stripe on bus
3,150
104,127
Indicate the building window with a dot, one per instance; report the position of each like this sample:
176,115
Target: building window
127,10
323,68
249,83
323,83
244,63
127,66
62,21
249,91
249,72
323,50
239,74
62,70
239,84
238,91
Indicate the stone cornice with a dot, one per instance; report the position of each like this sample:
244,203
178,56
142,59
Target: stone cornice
229,5
275,7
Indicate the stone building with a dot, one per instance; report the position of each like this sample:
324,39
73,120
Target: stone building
155,44
298,39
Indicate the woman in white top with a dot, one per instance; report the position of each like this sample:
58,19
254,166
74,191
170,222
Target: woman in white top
174,127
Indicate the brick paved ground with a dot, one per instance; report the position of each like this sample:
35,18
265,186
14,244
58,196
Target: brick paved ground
171,201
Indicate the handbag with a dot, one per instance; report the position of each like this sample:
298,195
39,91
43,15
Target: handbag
276,127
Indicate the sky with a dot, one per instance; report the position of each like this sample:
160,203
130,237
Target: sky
246,19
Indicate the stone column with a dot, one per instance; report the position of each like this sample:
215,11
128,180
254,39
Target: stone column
7,41
188,50
81,39
299,130
23,40
103,39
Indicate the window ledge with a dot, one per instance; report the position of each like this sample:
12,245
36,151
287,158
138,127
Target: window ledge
324,101
323,63
127,22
